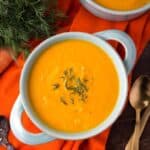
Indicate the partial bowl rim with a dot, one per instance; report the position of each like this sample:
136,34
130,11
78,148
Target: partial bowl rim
117,12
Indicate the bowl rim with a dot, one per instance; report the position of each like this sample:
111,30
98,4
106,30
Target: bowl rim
121,100
116,12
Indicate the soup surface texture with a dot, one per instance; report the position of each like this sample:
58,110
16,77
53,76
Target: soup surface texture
73,86
122,4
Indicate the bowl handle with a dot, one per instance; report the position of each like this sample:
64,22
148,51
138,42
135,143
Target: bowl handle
19,131
126,41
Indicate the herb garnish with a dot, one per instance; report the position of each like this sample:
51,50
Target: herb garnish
55,86
75,86
72,100
62,99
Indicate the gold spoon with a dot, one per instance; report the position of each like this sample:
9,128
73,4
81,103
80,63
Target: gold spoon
138,100
146,114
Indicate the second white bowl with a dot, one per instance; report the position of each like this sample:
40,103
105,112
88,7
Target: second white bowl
113,15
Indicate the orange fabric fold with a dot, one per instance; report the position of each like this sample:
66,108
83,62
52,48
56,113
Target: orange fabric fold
79,20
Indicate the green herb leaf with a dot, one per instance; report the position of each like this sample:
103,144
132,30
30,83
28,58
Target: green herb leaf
74,84
22,20
62,99
56,86
72,100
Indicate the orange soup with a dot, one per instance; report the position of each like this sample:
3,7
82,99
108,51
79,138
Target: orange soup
73,86
122,4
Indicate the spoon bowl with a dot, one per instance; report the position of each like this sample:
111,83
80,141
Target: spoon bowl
139,95
139,99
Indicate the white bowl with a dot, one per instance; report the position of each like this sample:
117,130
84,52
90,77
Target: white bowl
113,15
23,101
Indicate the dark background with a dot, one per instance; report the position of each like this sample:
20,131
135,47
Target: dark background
124,126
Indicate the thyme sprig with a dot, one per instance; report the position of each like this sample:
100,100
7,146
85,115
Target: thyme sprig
75,86
62,99
55,86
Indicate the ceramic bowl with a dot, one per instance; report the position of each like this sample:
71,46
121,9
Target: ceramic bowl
113,15
23,101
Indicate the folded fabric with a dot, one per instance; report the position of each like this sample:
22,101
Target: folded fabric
138,29
5,59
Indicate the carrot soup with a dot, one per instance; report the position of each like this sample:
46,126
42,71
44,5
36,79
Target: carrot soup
73,86
122,4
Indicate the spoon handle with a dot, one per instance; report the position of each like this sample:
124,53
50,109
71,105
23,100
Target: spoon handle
133,143
144,120
135,140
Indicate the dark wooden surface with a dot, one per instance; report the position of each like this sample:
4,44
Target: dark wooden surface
124,126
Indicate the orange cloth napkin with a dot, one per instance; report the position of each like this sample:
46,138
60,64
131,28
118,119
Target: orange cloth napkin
138,29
